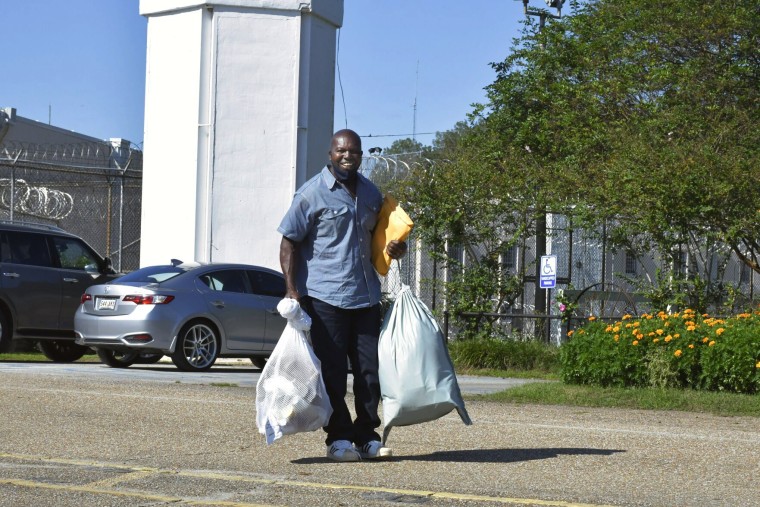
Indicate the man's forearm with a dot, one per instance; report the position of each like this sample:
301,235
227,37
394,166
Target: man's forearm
288,257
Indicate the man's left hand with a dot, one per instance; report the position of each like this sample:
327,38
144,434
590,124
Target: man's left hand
396,249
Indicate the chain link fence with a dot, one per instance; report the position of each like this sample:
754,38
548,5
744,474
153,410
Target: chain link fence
93,190
597,278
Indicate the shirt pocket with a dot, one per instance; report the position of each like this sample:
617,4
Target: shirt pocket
333,231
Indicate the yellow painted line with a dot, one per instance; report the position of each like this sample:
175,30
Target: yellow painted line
113,481
296,484
130,494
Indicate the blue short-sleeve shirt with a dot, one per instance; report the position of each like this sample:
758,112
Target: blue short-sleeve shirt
334,233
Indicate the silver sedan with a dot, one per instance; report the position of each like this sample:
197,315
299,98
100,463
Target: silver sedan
193,313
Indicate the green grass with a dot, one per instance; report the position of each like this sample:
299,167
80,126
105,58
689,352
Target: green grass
39,357
556,393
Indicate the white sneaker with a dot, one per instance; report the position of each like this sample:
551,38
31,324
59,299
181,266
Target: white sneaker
342,450
374,450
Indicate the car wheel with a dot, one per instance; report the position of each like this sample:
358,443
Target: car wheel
5,333
149,358
62,351
258,361
117,359
197,347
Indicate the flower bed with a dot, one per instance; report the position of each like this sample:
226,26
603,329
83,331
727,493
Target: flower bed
682,349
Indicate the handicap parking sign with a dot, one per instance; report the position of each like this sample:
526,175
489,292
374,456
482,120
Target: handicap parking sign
548,271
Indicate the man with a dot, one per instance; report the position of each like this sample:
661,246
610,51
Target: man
326,259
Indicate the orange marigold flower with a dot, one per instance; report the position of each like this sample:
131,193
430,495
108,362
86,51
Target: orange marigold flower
636,324
592,318
650,333
677,353
626,317
627,326
691,328
677,335
617,337
659,332
635,342
570,333
649,317
757,365
655,340
668,339
608,329
691,345
616,328
705,339
711,343
719,331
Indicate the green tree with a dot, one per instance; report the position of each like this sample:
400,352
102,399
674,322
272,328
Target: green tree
407,145
646,113
642,115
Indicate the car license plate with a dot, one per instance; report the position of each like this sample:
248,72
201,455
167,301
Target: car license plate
105,304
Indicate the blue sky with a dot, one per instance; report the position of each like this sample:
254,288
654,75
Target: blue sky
81,63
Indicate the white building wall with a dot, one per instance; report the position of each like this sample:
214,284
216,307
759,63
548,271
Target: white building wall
239,107
170,146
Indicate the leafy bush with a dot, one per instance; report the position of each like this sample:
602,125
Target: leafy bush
495,354
667,350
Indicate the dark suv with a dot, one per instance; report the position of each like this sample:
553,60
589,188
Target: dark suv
43,273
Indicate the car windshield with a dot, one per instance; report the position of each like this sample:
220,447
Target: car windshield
153,274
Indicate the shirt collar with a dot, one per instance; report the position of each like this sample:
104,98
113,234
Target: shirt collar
328,178
330,181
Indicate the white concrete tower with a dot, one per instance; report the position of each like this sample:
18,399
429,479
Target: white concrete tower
238,113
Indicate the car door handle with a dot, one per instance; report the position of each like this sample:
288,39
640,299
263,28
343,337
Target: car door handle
11,275
71,280
218,303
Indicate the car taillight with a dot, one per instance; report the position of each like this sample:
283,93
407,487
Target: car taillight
156,299
85,297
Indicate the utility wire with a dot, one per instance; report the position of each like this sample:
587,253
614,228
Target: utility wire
401,135
340,82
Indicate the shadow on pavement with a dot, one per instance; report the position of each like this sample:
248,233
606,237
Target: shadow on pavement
486,455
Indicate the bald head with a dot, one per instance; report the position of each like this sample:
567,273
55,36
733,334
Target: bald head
348,133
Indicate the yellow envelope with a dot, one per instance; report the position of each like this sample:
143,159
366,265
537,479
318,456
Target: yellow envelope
392,223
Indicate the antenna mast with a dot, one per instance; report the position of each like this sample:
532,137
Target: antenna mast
414,118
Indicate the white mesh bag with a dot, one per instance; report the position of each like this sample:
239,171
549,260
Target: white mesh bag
290,394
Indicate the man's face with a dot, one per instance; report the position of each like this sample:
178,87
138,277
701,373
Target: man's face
346,152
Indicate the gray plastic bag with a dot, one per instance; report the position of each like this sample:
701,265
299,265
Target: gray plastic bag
417,379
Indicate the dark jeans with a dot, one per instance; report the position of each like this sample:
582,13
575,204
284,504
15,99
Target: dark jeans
337,333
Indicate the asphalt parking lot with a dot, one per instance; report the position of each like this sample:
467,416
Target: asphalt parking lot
85,436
